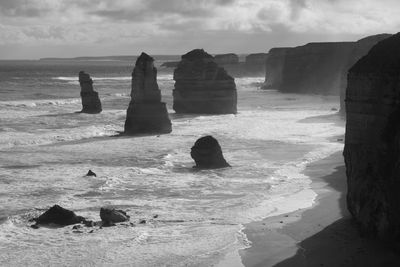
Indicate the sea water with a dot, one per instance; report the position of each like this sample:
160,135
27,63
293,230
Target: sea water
193,217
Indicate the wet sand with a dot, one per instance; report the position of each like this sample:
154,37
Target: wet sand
324,235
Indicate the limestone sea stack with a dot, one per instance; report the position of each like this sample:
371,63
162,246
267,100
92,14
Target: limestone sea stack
90,99
202,87
372,150
146,113
110,216
207,153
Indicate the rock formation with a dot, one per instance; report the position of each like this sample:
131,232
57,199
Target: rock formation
90,98
315,68
372,150
207,153
58,215
91,173
226,59
110,216
146,113
256,59
274,68
361,48
201,86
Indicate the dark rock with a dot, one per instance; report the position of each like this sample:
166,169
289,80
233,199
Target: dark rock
274,68
110,216
90,98
142,221
59,215
207,153
90,173
202,87
360,49
256,59
372,151
315,68
146,113
226,59
155,216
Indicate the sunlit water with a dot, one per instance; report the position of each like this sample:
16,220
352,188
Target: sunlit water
46,149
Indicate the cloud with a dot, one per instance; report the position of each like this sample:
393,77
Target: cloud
148,23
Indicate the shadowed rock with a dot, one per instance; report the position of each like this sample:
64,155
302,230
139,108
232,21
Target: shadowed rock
146,113
90,173
202,87
58,215
372,152
90,99
226,59
110,216
207,153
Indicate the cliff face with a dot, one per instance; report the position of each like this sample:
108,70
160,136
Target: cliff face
146,113
226,59
90,98
372,146
361,48
201,86
315,68
274,67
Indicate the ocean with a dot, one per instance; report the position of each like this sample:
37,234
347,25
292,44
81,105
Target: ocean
193,217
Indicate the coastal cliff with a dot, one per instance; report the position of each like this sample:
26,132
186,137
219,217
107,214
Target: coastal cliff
274,67
315,68
361,48
372,151
201,86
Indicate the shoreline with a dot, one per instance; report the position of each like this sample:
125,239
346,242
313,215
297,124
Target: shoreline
322,235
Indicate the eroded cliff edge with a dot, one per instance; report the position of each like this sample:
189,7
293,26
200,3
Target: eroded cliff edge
372,146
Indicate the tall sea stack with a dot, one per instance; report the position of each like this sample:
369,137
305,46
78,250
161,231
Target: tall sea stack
202,87
146,113
372,146
90,98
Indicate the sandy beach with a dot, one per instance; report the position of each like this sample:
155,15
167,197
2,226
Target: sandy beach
323,235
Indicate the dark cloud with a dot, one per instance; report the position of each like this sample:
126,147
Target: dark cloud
162,8
22,8
296,6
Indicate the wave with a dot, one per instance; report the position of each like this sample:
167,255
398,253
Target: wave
119,78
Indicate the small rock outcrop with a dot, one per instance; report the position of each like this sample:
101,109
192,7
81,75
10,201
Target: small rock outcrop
207,153
110,216
60,216
372,150
91,173
146,113
202,87
226,59
90,99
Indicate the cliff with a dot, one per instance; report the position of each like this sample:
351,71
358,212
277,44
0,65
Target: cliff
361,48
372,151
274,67
201,86
90,98
146,113
315,68
225,59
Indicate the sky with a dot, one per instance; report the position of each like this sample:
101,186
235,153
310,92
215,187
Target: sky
32,29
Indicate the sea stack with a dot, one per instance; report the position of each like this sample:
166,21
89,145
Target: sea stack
207,154
58,215
372,151
202,87
146,113
90,98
